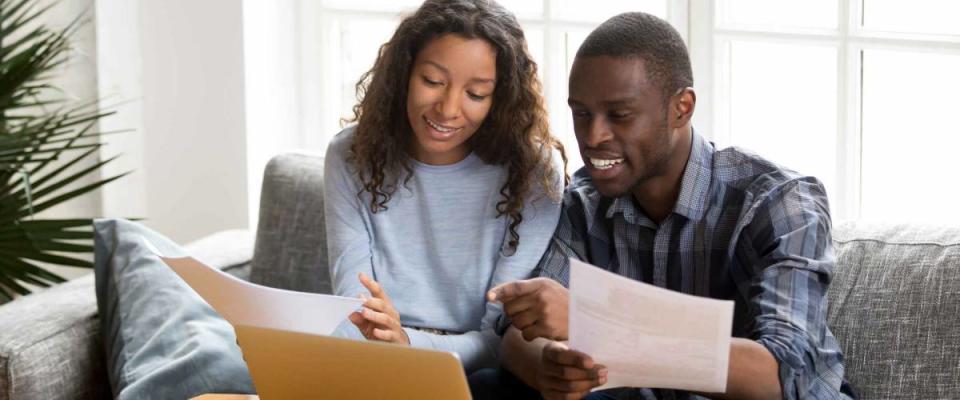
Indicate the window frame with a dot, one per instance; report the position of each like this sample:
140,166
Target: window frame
706,40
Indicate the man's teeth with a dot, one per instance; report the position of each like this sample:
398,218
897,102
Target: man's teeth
600,163
438,127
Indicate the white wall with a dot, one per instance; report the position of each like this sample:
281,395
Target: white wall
271,44
178,65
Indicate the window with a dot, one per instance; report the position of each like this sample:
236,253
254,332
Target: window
352,31
855,92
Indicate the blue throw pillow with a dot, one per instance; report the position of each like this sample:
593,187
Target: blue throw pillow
162,340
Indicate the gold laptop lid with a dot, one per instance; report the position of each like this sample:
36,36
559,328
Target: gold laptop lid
288,365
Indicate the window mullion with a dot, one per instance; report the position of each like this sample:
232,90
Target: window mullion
700,42
845,206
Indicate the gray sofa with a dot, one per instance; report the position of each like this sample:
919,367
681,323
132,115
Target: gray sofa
894,302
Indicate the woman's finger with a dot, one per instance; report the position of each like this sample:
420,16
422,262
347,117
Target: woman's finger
386,335
381,319
373,286
376,304
357,319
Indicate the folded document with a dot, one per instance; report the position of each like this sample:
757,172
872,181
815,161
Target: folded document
648,336
244,303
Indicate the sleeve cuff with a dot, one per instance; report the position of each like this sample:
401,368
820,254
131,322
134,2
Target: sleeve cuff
418,339
791,379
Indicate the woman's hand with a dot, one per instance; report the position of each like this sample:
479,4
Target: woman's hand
379,320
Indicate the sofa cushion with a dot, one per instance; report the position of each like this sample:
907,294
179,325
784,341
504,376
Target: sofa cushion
162,340
894,306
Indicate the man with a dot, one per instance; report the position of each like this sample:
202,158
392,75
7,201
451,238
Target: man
658,203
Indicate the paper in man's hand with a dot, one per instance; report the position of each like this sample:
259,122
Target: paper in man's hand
648,336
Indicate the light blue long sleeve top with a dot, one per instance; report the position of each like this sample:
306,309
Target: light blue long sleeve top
436,249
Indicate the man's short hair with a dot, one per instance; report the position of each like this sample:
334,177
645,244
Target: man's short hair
637,34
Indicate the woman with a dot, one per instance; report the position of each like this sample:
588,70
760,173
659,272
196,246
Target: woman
447,184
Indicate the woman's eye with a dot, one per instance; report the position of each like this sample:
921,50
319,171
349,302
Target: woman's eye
476,97
431,82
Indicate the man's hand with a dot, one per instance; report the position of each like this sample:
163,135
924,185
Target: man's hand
379,320
537,307
567,374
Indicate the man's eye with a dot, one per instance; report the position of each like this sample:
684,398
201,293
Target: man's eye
620,114
580,114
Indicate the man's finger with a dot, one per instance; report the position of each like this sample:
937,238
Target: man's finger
523,320
568,386
519,304
531,332
550,394
509,290
561,354
569,373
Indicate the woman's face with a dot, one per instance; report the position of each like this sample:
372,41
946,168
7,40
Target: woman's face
450,93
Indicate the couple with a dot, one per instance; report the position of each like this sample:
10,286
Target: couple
446,210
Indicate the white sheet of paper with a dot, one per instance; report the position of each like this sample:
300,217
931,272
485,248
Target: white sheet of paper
648,336
244,303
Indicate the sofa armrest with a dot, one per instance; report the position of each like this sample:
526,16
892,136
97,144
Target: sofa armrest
50,345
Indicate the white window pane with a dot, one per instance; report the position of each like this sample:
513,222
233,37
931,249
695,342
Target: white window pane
915,16
360,40
524,8
778,13
601,10
564,127
909,141
374,5
783,105
535,45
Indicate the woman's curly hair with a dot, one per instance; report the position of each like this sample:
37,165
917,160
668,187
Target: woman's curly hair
514,134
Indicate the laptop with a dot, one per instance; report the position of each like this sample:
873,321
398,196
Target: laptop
291,365
280,335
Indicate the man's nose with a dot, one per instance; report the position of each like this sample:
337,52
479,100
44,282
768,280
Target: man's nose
597,132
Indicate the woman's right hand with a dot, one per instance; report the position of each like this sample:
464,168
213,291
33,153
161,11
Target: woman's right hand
378,320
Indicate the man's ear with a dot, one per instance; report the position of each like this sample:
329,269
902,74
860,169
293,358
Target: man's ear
682,105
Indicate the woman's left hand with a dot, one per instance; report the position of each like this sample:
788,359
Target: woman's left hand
379,320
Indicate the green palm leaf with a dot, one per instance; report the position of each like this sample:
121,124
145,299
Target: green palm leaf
38,128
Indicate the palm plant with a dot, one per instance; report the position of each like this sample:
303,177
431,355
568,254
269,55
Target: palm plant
38,127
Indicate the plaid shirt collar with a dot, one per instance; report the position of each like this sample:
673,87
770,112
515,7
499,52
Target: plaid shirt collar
694,188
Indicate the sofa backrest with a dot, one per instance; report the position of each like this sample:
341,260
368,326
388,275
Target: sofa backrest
290,250
894,305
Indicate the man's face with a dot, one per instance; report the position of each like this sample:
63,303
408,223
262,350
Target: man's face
620,119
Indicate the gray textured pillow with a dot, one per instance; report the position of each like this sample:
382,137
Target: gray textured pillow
162,340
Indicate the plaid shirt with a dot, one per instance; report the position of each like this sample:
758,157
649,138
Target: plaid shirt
743,229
